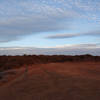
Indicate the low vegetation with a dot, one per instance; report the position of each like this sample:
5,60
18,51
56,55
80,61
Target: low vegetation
10,62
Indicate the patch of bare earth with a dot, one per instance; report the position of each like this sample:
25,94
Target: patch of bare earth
56,81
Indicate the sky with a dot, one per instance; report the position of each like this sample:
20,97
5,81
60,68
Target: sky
50,27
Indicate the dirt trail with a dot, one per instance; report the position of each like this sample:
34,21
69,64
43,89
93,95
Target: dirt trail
56,81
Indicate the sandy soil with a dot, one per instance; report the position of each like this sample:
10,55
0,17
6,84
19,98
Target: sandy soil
55,81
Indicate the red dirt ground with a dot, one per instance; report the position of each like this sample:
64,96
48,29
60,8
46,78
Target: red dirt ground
55,81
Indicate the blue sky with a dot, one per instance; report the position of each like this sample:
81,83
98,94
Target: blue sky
49,23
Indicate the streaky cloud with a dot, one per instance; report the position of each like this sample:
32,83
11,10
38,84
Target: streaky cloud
68,49
70,35
62,36
19,18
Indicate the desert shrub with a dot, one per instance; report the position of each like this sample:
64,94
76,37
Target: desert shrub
9,62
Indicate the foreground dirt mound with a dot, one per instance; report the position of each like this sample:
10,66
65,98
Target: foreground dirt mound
56,81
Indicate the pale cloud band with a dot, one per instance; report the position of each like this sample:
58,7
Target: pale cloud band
76,49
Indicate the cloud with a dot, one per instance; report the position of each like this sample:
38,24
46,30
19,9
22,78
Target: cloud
37,18
70,35
75,49
93,33
19,18
62,36
21,26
